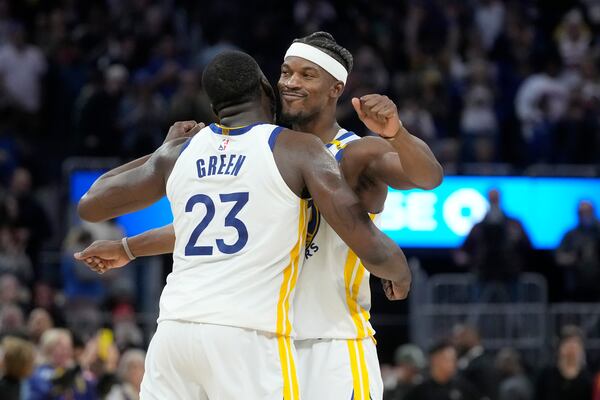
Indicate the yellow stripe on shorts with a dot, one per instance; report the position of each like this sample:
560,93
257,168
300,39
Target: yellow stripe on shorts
358,366
284,326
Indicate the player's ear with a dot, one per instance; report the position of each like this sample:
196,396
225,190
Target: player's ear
268,91
267,88
337,89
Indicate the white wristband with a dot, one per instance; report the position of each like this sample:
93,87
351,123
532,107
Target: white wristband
127,249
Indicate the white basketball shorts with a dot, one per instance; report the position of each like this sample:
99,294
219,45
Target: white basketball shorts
337,369
201,361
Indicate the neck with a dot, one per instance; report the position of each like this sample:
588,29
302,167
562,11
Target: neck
324,126
242,115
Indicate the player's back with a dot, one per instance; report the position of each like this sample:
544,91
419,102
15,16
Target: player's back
239,232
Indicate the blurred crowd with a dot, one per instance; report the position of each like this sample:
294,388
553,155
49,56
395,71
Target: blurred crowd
484,82
459,367
44,363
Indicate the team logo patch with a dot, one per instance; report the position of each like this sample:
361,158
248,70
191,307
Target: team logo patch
224,145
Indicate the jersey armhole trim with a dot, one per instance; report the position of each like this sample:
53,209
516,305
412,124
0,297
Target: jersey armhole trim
273,136
185,145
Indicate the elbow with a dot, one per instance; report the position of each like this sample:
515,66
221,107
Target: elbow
86,212
434,178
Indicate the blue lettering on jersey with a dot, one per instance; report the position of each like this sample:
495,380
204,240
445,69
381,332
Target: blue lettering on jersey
201,169
230,164
238,165
310,250
212,165
224,164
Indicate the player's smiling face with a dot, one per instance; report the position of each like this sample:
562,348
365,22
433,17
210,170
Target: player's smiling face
304,89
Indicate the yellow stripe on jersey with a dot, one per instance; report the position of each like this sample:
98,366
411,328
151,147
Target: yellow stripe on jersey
354,272
353,275
358,366
284,326
290,276
230,127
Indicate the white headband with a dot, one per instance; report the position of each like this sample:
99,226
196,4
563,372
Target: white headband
322,59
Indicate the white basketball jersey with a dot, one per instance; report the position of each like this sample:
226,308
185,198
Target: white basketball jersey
239,230
333,298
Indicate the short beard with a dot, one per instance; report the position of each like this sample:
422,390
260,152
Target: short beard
290,121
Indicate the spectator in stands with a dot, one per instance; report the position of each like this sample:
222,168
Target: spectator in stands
99,360
39,322
489,21
59,377
575,135
515,385
497,250
541,101
189,101
443,382
12,320
410,364
479,125
569,378
573,38
85,290
474,363
97,112
11,291
130,373
45,297
143,117
127,332
19,355
31,220
579,255
13,259
22,67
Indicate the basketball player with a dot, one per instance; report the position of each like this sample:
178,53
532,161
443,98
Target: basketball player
337,356
240,222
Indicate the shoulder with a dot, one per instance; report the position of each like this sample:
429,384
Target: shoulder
300,141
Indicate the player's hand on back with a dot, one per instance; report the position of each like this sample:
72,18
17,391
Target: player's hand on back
378,113
103,255
183,129
395,290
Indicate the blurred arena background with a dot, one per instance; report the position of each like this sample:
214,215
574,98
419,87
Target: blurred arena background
505,254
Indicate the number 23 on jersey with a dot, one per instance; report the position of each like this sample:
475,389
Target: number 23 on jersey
240,199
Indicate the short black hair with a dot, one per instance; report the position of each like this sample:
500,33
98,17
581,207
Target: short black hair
232,77
324,41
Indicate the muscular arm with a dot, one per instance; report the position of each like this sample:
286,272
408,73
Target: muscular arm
342,209
103,255
130,190
153,242
90,210
402,162
408,161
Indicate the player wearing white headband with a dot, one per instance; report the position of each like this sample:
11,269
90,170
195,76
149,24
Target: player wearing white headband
337,358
